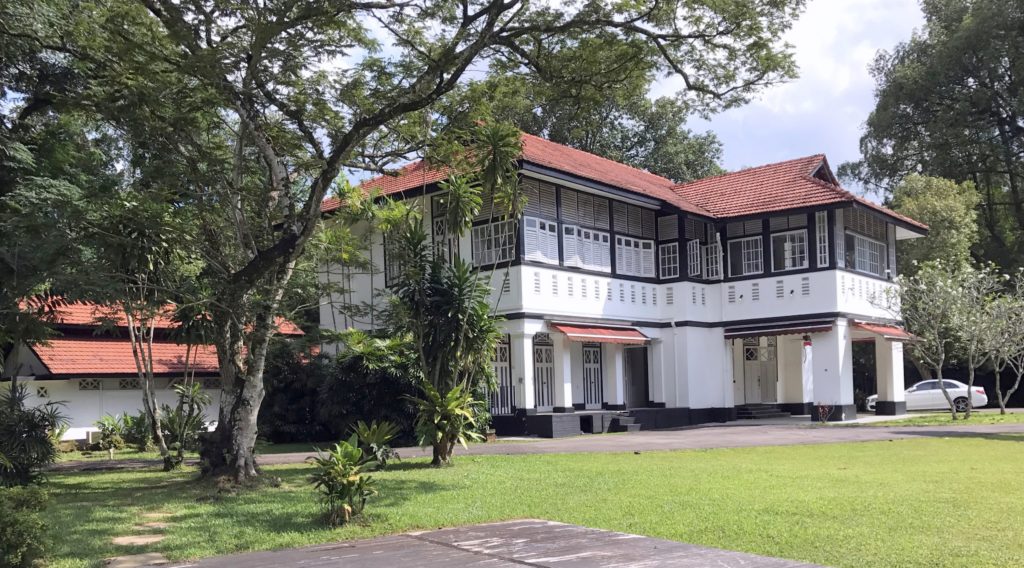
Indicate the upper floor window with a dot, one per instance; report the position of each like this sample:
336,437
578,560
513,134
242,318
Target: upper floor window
540,240
668,228
580,208
743,228
789,250
668,260
540,198
864,254
634,257
821,234
712,261
586,248
693,258
493,243
632,220
745,256
393,262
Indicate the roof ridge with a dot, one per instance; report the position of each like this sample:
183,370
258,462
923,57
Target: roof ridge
750,169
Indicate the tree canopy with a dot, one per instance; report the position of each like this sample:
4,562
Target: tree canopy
949,210
244,114
948,104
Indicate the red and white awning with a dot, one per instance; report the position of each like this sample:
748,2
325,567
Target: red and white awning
890,332
602,334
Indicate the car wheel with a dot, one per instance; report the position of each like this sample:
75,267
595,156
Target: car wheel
960,404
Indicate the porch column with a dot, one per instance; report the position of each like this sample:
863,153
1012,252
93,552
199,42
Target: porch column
795,375
613,372
832,368
889,374
563,373
657,373
521,345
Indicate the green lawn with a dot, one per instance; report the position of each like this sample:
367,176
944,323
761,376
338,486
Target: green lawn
943,419
869,504
133,454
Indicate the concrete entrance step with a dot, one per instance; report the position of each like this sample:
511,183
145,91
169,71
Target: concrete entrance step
760,410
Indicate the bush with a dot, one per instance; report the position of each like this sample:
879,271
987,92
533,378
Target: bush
446,420
340,480
111,433
26,444
136,432
375,441
322,398
22,531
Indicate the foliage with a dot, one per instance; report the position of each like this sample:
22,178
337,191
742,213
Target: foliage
445,420
25,443
185,422
233,116
375,441
949,210
311,399
111,429
137,431
23,535
947,104
1007,339
340,479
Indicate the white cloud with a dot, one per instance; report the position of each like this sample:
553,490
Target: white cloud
824,109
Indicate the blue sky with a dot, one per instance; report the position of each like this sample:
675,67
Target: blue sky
824,110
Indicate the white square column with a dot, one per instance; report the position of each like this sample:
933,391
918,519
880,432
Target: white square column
889,374
563,372
521,345
795,358
613,373
657,374
832,368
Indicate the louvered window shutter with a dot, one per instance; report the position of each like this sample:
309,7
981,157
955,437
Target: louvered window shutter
619,217
601,213
647,223
532,240
570,206
569,250
840,240
585,205
647,259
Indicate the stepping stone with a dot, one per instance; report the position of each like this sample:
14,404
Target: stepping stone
159,525
138,539
136,560
156,515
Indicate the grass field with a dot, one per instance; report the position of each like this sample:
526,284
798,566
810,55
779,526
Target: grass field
878,504
943,419
133,454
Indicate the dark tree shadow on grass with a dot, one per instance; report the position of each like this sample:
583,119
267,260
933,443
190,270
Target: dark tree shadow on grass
962,434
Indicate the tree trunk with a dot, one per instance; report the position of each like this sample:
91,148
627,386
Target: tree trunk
970,390
999,392
945,393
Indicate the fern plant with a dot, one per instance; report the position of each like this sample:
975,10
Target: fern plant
340,479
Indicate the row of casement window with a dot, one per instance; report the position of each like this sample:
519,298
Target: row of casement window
590,249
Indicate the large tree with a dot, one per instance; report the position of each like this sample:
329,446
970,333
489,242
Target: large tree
251,110
950,211
949,104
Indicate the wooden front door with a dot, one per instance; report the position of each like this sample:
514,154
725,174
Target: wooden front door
502,401
637,394
760,370
593,391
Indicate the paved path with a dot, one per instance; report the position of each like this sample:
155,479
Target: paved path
733,435
707,437
509,544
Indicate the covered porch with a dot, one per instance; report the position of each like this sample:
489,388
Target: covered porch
806,367
565,378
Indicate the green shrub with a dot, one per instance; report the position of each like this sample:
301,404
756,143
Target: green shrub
26,444
184,423
340,480
111,433
375,441
446,420
22,531
137,432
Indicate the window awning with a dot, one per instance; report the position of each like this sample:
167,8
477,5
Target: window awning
891,332
598,334
779,328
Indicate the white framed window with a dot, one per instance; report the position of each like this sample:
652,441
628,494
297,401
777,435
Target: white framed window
864,254
712,261
693,258
540,240
668,260
586,248
821,236
746,256
634,257
789,250
493,243
393,265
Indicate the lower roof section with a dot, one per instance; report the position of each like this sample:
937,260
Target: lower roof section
796,327
602,334
91,356
890,332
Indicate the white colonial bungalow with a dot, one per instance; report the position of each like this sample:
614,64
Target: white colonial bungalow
631,301
88,366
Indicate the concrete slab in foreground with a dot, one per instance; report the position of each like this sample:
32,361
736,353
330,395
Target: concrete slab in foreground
508,544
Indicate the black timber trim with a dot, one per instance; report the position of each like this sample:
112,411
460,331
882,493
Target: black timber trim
890,408
797,318
797,408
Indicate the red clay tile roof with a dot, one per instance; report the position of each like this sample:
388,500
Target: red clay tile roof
773,187
549,154
90,314
111,355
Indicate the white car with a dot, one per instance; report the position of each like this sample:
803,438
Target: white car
927,395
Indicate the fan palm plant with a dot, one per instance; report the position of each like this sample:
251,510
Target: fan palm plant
25,444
